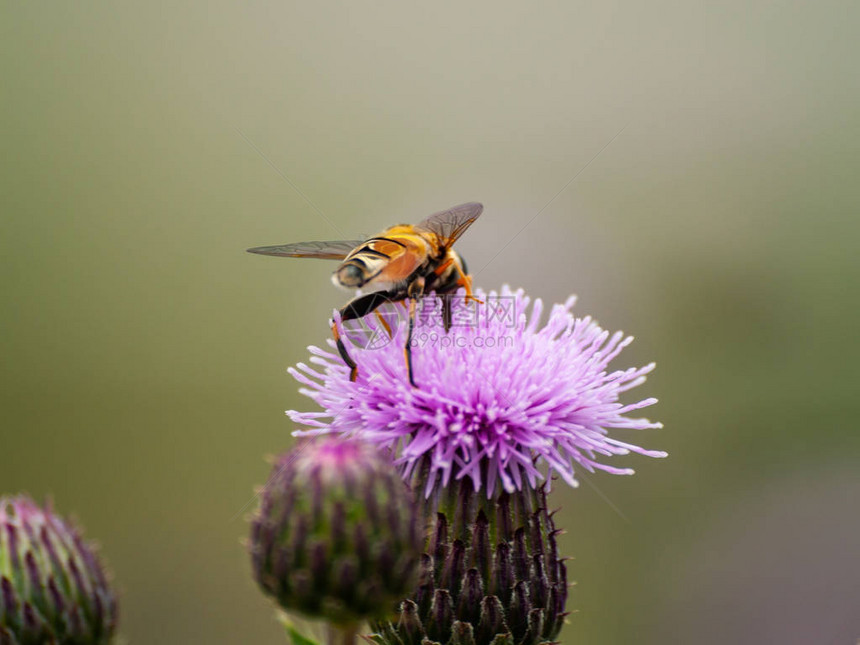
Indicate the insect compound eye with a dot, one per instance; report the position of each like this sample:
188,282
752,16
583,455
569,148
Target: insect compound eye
349,275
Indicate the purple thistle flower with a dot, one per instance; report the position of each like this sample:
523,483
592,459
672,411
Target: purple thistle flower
498,398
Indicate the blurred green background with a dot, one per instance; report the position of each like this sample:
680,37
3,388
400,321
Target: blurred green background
146,145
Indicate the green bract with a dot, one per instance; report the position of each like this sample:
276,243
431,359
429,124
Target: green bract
490,574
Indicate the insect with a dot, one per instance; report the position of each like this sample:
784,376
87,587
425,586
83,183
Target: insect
402,263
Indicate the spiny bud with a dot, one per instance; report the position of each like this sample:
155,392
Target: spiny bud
337,534
53,589
490,574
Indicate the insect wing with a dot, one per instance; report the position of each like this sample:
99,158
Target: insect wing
334,250
449,225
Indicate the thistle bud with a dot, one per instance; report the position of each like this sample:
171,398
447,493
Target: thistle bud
490,574
52,586
336,536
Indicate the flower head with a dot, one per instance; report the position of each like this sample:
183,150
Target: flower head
337,535
52,586
499,397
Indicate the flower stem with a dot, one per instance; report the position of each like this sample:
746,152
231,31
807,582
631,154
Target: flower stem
342,635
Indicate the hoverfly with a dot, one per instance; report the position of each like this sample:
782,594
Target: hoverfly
402,262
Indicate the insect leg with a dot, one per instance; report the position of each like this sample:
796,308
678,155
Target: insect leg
446,311
354,309
465,280
414,291
384,323
341,349
439,270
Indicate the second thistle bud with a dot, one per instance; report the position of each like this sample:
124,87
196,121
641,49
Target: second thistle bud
53,589
337,534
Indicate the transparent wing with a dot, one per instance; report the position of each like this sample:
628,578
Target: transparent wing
334,250
449,225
